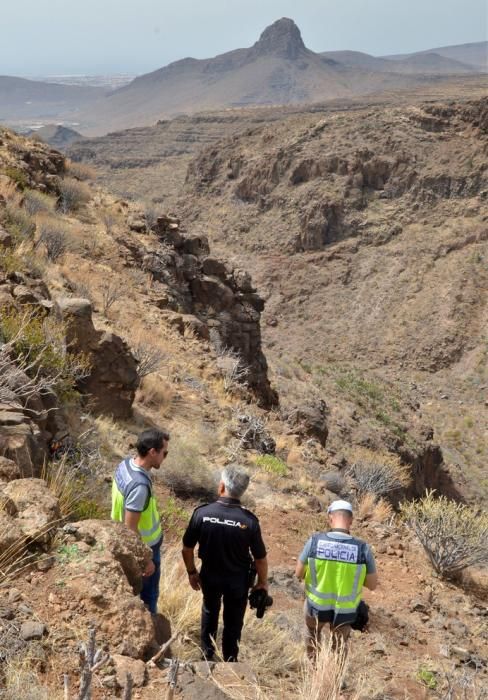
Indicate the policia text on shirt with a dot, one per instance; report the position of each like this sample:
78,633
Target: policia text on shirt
229,539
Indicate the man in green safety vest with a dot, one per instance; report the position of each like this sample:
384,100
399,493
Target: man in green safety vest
335,566
134,503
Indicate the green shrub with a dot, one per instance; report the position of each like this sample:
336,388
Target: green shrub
10,261
453,535
39,349
68,552
18,176
272,465
174,517
427,677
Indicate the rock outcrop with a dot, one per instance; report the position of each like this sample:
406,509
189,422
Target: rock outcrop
113,379
218,302
31,164
29,515
103,579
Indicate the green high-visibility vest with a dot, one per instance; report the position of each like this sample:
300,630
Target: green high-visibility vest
335,574
125,479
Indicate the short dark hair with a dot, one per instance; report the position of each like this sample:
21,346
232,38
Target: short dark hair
149,439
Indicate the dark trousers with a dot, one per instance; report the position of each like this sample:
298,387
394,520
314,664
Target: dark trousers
150,584
233,591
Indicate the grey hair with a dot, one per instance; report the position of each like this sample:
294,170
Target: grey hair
235,479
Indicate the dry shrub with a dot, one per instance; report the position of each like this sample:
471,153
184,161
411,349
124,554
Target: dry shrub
72,195
112,291
377,473
80,171
371,508
52,235
150,358
453,535
185,471
36,202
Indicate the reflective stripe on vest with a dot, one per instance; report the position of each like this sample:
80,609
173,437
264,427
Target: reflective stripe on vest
335,575
125,479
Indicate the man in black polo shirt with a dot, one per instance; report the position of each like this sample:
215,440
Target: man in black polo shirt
228,535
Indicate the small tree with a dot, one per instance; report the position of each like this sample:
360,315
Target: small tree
111,292
454,535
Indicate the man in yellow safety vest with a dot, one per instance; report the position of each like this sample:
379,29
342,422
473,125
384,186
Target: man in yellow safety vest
134,504
335,566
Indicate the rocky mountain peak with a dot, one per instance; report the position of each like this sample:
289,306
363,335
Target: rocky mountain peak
281,38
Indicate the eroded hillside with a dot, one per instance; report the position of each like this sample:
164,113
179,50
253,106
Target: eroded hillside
365,228
132,321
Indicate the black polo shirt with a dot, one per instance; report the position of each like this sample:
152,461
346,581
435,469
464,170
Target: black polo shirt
227,533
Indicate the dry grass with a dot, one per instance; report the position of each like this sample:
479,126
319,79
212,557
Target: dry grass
180,604
21,681
185,471
80,171
113,439
36,202
371,508
324,679
9,192
156,393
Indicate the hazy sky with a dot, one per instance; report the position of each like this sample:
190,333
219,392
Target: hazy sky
97,36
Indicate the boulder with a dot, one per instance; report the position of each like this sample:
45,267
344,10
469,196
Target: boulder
22,443
214,267
106,582
310,420
9,470
37,508
10,533
32,630
211,291
196,245
124,665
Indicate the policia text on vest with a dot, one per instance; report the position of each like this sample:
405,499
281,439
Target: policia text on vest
335,566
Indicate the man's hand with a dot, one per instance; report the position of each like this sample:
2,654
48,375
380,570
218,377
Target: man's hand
194,580
262,572
150,569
